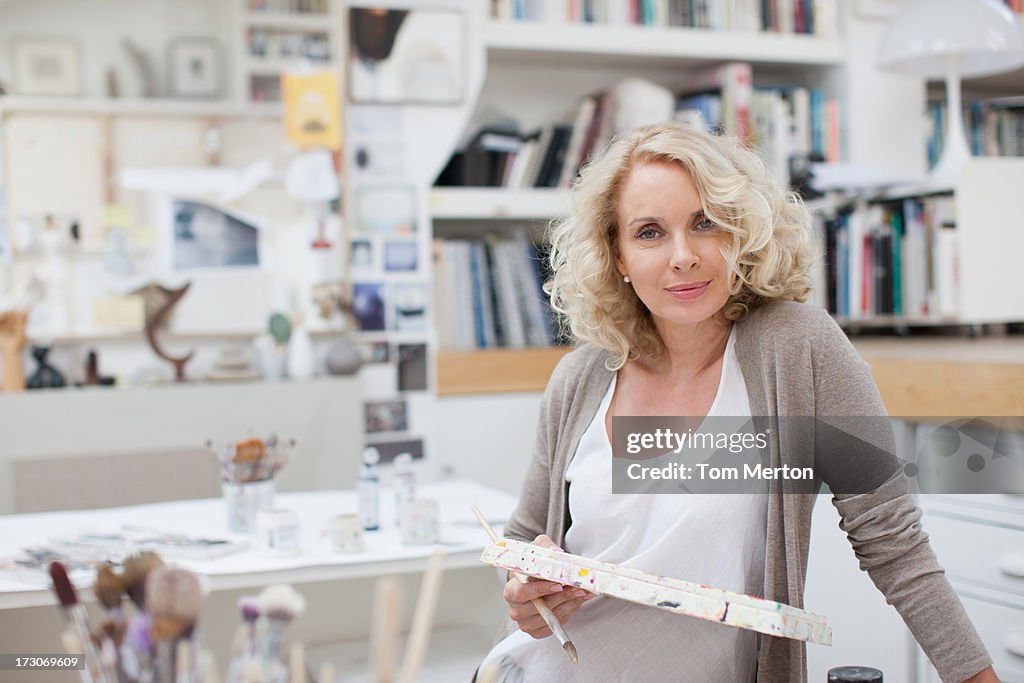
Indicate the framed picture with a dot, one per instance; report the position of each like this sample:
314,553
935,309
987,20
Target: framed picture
46,66
204,236
194,67
401,256
385,416
386,210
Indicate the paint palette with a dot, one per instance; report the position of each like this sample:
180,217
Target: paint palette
674,595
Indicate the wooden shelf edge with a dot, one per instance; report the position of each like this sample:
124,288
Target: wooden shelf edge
949,388
495,371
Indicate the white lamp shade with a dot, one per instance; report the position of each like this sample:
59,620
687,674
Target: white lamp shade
982,33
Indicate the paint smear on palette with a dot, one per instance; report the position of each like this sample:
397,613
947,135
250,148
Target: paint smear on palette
661,592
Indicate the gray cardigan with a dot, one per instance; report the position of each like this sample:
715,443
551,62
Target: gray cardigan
795,361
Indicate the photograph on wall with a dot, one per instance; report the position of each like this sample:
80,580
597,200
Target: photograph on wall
385,416
412,367
194,68
406,56
312,109
401,256
46,66
376,352
389,449
409,301
368,306
360,255
377,147
386,210
204,236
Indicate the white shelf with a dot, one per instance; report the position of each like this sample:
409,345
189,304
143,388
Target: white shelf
282,20
276,65
137,107
602,44
481,203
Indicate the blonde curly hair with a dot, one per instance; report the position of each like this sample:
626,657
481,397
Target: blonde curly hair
769,248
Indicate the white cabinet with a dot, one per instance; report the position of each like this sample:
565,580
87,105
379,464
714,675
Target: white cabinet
979,540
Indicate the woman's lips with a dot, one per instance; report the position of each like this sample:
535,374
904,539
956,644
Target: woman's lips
688,291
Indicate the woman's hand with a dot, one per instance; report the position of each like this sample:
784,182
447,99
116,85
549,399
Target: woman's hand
563,600
986,676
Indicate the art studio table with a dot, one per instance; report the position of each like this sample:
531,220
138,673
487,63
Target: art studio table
460,536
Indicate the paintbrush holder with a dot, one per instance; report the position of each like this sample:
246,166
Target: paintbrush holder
243,500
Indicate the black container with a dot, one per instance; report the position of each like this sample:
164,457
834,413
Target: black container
854,674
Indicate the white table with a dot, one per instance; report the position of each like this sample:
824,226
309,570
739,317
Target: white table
461,537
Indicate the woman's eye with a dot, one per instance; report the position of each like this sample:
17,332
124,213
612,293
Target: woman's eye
647,233
705,224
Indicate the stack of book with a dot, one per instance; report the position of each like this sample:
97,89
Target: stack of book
782,16
894,258
780,122
488,294
994,127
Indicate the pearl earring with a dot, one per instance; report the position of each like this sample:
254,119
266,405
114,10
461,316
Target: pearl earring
625,279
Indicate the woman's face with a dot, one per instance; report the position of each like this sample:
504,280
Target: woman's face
668,248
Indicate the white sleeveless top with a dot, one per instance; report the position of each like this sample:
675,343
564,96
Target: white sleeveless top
713,539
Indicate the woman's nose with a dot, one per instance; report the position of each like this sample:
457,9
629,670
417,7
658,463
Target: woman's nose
684,256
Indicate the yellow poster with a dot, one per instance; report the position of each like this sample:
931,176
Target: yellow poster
312,109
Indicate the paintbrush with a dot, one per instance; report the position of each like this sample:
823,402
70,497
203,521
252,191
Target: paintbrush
545,612
134,572
423,617
75,620
387,611
297,663
109,591
174,598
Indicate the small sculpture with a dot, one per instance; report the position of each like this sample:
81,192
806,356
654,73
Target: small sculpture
160,302
46,376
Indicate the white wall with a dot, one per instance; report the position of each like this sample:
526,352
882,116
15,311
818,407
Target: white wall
488,439
883,112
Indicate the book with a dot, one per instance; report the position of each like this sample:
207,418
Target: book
733,81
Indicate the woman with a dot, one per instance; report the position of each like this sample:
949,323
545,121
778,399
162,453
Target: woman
681,274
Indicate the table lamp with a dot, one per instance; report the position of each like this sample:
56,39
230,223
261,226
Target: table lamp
311,177
949,39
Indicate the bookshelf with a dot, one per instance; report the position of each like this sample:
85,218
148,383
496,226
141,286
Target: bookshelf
943,261
275,37
590,57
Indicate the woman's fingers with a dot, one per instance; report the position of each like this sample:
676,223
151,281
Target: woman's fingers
520,610
568,608
544,541
534,624
516,591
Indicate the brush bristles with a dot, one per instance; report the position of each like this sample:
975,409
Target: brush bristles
62,585
108,587
174,599
133,577
571,651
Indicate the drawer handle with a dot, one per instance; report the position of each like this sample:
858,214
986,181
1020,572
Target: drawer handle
1012,565
1014,643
